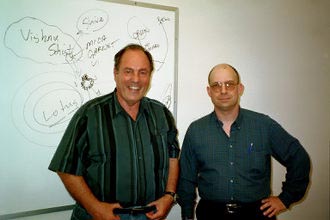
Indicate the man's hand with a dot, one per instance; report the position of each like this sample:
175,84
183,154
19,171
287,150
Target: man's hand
272,206
163,206
104,211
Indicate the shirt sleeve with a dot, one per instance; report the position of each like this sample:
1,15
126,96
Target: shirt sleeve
288,151
69,155
172,136
187,184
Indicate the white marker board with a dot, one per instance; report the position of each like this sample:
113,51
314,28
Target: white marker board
55,56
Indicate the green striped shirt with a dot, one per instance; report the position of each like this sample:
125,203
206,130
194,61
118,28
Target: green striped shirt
121,160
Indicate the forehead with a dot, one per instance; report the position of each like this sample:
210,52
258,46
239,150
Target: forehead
134,59
223,73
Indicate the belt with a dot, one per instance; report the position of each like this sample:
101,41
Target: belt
232,207
134,210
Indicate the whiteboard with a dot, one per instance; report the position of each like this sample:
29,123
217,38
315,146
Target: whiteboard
54,56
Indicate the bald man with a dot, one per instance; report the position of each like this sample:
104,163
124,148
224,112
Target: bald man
226,156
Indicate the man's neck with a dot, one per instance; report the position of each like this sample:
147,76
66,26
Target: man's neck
132,109
227,118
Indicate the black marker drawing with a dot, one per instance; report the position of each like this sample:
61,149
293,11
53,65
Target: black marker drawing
87,82
56,56
33,39
46,102
167,96
91,21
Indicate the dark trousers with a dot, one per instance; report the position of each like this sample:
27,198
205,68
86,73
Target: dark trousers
207,210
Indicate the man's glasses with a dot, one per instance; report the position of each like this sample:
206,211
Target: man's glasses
217,86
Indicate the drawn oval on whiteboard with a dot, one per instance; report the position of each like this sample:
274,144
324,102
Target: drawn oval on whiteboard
92,21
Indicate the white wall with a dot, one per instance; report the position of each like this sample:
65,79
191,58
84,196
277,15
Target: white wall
281,48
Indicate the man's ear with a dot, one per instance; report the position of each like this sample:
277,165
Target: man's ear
240,89
115,72
208,90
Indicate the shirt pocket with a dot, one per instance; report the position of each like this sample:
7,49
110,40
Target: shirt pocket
258,164
254,161
160,138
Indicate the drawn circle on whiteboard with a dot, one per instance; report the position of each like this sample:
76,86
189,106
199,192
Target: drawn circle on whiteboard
92,21
43,106
152,35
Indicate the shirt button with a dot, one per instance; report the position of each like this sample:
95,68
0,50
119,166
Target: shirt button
231,163
231,181
231,146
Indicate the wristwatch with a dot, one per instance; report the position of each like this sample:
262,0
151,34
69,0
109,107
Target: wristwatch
173,194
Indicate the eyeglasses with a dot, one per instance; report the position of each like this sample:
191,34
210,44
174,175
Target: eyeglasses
217,86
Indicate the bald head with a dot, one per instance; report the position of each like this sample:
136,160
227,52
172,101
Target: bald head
223,66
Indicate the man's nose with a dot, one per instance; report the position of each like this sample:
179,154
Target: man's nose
135,76
223,88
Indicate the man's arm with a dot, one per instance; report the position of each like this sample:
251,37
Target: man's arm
79,190
164,204
173,175
291,154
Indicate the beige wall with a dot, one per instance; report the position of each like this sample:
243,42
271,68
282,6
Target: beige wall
282,50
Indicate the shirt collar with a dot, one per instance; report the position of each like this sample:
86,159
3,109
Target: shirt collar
237,123
239,119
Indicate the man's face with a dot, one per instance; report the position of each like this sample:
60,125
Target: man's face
224,89
133,77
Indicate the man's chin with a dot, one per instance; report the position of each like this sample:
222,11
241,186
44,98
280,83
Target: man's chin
226,108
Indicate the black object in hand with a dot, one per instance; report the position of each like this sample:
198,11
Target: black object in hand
134,210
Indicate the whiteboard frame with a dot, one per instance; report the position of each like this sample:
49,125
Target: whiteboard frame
175,10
